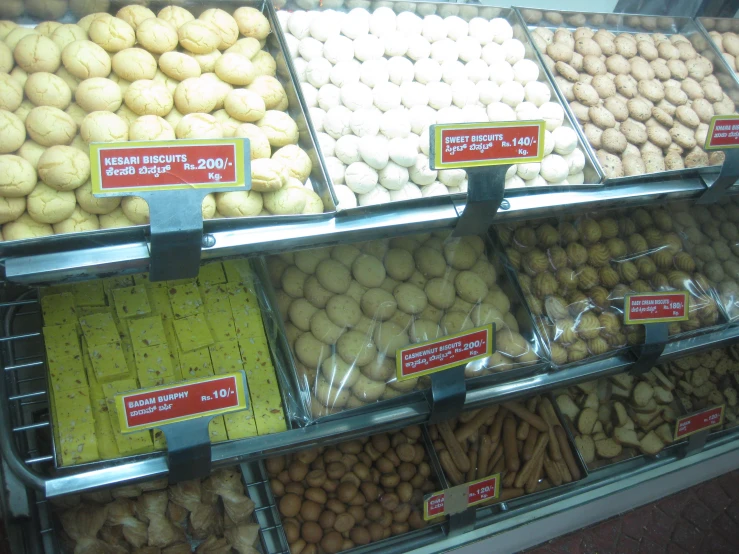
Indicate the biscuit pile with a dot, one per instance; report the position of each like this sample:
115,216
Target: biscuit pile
376,80
644,99
139,76
349,308
574,273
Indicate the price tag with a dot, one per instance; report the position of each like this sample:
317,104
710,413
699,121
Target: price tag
466,145
157,406
119,169
459,498
656,307
723,133
447,352
686,426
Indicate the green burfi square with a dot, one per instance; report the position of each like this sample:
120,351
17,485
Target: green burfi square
215,298
77,444
56,289
117,387
67,374
185,300
96,389
255,353
108,362
119,282
248,324
159,301
128,443
221,325
128,353
196,364
154,366
89,293
217,429
242,298
61,342
211,274
59,309
131,302
147,331
193,333
226,357
99,329
238,271
82,311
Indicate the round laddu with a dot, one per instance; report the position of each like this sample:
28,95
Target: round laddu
17,176
26,228
12,131
92,204
49,126
157,35
296,160
37,53
85,59
179,66
11,93
47,89
199,37
239,203
252,23
64,168
103,127
279,127
112,34
224,24
98,94
133,64
46,205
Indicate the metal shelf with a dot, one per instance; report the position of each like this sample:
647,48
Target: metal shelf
24,387
70,260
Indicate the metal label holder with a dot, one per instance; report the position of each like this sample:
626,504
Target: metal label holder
727,177
485,191
448,393
648,353
188,449
696,442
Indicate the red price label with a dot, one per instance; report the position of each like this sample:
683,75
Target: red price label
723,132
440,354
459,498
465,145
656,307
145,409
697,422
135,167
483,490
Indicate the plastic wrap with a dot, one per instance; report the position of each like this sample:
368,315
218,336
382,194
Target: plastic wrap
376,78
643,88
523,440
711,234
356,493
575,271
190,516
348,308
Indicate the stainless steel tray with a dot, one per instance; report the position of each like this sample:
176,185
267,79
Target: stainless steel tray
592,172
258,224
620,23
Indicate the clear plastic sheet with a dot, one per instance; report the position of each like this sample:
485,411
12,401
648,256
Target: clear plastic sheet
622,416
711,234
355,493
348,308
574,272
524,441
642,88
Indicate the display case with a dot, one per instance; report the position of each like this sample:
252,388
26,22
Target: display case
380,265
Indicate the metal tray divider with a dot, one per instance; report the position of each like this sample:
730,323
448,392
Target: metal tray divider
271,533
682,25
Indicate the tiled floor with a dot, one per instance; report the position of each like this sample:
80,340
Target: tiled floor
700,520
